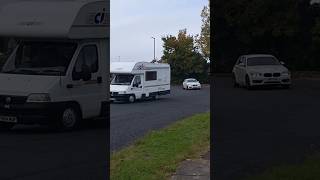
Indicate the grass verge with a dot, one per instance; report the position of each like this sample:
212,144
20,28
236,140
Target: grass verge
308,170
157,155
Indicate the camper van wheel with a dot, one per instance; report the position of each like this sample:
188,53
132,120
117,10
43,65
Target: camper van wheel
132,99
69,118
155,97
6,126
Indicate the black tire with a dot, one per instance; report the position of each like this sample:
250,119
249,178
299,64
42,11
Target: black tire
6,126
68,119
131,98
235,84
248,86
155,97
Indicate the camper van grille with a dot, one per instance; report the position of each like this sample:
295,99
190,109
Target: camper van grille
114,93
6,99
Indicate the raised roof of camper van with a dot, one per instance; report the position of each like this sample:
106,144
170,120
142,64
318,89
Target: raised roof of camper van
67,19
129,67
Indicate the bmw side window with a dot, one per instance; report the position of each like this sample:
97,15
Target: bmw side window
239,60
88,56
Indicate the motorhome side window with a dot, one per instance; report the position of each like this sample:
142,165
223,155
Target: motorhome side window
151,75
88,56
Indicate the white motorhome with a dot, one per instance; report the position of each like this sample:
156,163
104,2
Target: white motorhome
139,80
57,73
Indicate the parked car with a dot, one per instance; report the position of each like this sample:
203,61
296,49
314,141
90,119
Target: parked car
260,69
191,83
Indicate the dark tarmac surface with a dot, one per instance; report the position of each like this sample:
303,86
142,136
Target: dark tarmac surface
36,153
258,129
131,121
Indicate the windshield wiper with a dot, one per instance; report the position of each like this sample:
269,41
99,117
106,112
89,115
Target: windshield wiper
51,71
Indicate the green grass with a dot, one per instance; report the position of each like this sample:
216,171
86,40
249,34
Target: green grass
308,170
157,155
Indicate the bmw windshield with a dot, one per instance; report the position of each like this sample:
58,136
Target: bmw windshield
262,61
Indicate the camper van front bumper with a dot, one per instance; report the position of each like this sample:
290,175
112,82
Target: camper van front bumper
119,97
31,113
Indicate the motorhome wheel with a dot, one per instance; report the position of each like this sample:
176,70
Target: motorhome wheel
69,118
6,126
132,99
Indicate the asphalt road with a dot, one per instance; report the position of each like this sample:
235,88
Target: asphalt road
36,153
131,121
258,129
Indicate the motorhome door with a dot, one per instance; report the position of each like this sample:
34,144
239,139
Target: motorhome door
86,80
137,86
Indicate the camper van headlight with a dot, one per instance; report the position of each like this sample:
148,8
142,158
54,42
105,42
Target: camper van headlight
39,98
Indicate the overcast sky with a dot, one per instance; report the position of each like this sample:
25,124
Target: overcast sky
134,22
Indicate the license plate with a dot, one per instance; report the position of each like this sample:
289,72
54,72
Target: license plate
272,79
8,119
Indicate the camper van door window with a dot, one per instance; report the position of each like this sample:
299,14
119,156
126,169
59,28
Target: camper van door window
137,81
88,56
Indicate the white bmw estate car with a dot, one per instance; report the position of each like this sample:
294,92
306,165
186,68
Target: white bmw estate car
260,69
191,83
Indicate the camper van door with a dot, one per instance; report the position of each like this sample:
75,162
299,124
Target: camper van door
85,74
137,86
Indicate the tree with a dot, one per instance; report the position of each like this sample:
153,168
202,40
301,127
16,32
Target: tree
287,29
184,57
203,40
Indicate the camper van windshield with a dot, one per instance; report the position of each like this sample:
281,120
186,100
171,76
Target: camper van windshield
122,79
42,58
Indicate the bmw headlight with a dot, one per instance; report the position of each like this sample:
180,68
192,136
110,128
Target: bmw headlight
285,73
39,98
255,74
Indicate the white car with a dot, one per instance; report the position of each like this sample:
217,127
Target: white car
191,83
260,69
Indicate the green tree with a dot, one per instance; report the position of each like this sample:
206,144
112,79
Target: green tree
203,40
287,29
184,57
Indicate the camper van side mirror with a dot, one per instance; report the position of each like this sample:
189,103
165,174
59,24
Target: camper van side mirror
86,73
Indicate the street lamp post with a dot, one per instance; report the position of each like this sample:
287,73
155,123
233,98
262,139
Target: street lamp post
154,48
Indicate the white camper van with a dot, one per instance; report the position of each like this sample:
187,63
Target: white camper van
139,80
57,73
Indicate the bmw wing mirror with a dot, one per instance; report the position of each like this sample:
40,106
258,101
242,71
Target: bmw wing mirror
282,63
